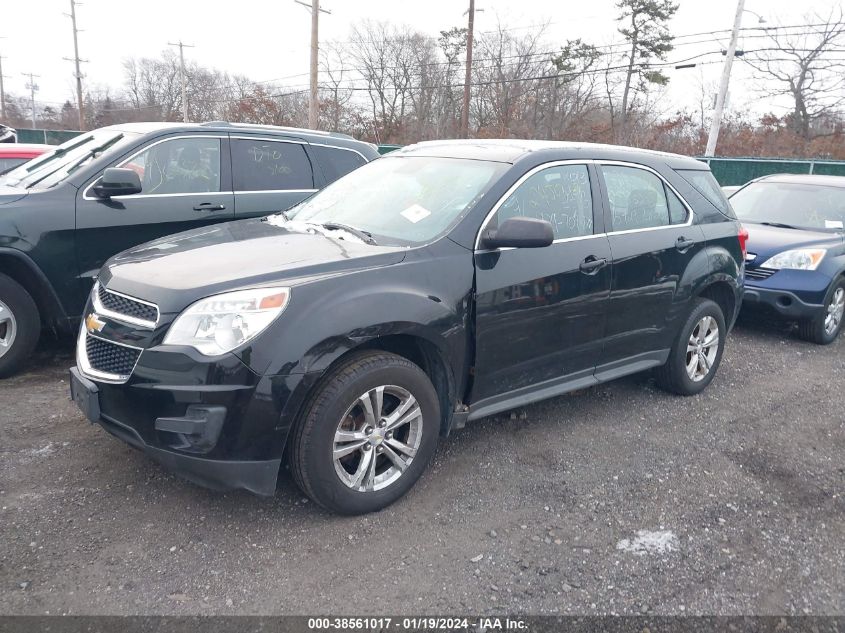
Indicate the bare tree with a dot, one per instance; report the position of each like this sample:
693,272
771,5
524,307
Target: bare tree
807,67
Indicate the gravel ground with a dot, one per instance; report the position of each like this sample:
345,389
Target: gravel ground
617,499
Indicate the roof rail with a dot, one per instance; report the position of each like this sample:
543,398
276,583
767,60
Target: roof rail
275,127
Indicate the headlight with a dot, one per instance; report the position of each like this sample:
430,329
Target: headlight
799,259
220,323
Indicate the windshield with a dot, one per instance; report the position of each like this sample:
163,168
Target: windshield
802,206
53,167
400,199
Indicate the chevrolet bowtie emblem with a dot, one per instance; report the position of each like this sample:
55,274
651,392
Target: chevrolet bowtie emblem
93,323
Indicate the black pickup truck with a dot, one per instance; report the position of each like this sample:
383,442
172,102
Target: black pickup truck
65,213
442,283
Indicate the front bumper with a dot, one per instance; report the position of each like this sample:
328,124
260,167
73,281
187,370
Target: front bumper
785,303
215,423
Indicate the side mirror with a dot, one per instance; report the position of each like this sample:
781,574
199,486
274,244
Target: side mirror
519,232
117,181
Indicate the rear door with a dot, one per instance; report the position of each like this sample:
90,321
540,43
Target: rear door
540,312
653,241
186,183
270,174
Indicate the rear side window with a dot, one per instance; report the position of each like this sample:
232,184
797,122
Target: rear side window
10,163
337,162
704,182
259,165
637,198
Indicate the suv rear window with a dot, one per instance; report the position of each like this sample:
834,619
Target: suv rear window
337,162
259,165
704,182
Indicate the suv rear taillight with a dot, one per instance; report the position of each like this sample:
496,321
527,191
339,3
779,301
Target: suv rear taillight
743,241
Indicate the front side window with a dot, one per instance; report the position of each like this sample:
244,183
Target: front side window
560,195
637,198
270,166
179,165
400,199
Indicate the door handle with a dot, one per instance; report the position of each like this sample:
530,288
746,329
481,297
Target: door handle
592,264
209,206
683,244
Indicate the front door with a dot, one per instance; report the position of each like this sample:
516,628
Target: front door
653,241
540,312
185,182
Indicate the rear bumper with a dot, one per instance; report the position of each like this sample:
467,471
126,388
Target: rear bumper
783,302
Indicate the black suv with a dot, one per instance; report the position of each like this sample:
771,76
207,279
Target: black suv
446,282
65,213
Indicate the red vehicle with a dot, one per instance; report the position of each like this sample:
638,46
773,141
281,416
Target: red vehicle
13,154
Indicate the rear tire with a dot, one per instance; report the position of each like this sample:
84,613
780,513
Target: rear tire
20,326
696,352
825,328
366,435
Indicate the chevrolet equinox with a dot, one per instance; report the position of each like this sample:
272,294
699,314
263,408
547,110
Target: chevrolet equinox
443,283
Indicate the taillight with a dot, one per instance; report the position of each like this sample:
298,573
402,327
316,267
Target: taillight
743,240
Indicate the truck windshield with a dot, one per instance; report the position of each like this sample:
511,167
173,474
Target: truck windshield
53,167
399,199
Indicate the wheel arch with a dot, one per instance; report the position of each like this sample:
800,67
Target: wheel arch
23,270
724,294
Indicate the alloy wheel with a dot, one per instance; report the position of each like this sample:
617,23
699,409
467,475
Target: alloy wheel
702,347
377,438
8,328
835,310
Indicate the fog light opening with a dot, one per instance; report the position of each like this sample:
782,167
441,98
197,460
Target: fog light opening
784,301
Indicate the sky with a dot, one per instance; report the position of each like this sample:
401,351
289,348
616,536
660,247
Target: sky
269,39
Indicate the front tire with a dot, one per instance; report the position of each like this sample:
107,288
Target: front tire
696,352
20,326
366,435
824,329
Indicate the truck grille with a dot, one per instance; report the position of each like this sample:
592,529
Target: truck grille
106,357
132,310
759,273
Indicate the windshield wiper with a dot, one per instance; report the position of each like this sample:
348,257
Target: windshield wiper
58,153
779,225
79,161
365,236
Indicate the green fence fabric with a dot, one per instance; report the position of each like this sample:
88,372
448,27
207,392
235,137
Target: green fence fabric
738,171
51,137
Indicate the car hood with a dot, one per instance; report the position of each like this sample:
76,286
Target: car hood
11,194
177,270
767,241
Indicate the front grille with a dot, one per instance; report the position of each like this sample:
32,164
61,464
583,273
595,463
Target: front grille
110,358
123,305
759,273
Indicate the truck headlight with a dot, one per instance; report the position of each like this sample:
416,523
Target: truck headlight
220,323
799,259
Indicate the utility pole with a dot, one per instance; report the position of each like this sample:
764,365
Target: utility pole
32,88
713,138
468,76
76,60
314,97
2,93
182,77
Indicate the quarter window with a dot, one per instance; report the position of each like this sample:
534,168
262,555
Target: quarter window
337,162
180,165
677,210
637,198
270,166
560,195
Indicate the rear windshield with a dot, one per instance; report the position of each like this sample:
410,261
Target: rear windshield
704,182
